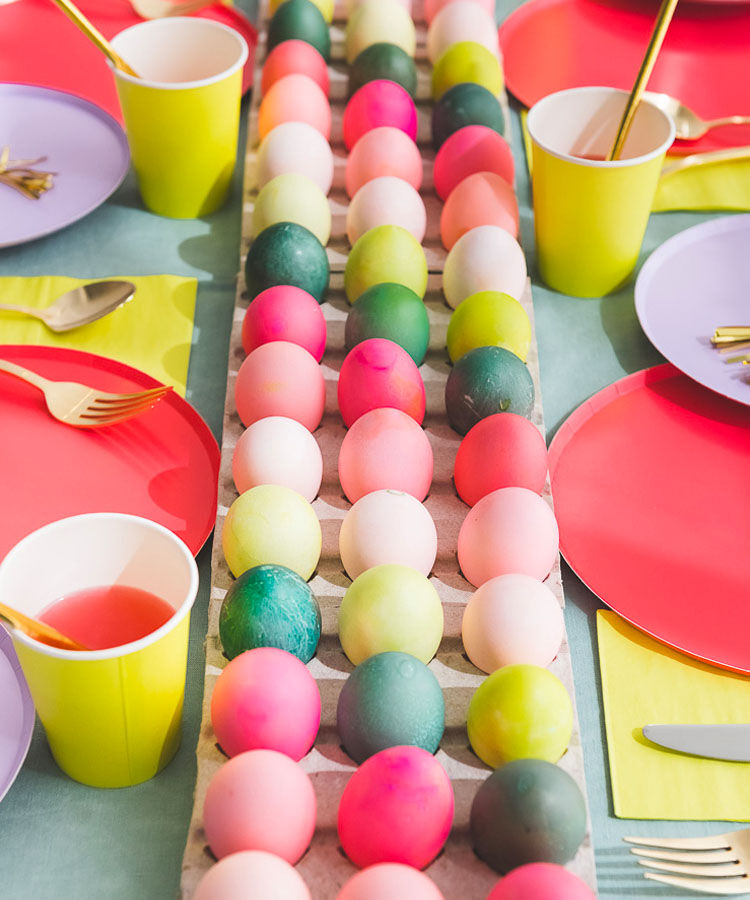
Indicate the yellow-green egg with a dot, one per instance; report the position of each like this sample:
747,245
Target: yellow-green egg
292,197
488,319
386,253
379,21
464,62
325,6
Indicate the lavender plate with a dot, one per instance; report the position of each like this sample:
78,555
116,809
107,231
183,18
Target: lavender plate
696,281
16,714
83,145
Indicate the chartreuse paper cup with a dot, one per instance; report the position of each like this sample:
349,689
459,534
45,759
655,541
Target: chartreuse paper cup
112,717
182,113
590,215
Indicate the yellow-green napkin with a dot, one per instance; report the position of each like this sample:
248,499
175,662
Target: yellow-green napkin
644,682
151,332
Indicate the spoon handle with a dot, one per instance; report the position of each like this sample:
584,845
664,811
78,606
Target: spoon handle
703,159
93,34
38,630
26,310
729,120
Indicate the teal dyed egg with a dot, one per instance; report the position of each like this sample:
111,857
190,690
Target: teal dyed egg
270,606
287,253
383,60
393,311
300,20
465,104
391,699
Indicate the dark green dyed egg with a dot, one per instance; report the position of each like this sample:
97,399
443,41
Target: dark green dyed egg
386,61
392,311
391,699
287,253
527,811
465,104
300,20
270,606
485,381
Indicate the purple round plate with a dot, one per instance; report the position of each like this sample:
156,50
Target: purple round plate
83,145
16,714
696,281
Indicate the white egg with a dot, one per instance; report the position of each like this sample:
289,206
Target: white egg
486,258
386,200
461,20
295,147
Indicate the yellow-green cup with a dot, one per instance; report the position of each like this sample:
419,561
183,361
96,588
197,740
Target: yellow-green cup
590,215
112,717
182,114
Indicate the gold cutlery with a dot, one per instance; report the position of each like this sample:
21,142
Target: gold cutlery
94,35
730,154
80,305
37,630
688,125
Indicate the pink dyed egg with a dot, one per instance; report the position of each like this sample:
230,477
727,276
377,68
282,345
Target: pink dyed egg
396,807
285,313
387,449
375,104
383,151
461,20
540,881
295,147
271,877
386,200
433,7
480,199
389,880
260,800
472,149
295,98
511,530
267,699
294,57
378,372
280,379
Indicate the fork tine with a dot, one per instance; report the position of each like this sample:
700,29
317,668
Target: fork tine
95,405
137,395
693,856
705,870
709,842
730,886
95,417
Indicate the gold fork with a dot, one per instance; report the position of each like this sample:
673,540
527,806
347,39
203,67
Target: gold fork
717,864
84,406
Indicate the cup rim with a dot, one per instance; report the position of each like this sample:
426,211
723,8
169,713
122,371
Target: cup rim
122,649
182,85
598,163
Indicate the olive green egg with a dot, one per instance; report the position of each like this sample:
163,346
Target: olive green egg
465,104
300,20
383,61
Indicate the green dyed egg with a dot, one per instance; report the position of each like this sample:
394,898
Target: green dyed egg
485,381
385,253
300,20
527,811
463,62
383,60
287,253
465,104
270,606
391,311
391,699
489,318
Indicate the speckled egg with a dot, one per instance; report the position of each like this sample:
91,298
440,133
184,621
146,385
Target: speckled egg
295,147
458,22
391,311
383,60
294,57
383,151
285,313
539,881
388,880
386,200
488,318
465,104
378,21
433,7
480,199
292,198
287,253
385,253
300,20
376,104
294,98
271,877
486,258
472,149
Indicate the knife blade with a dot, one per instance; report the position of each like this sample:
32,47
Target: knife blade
727,742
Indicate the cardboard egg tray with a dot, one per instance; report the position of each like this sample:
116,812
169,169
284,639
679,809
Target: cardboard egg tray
457,871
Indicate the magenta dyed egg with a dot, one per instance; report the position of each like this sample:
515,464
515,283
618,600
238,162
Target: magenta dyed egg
385,449
383,151
294,57
396,807
378,372
295,98
389,880
540,881
285,313
467,151
375,104
483,198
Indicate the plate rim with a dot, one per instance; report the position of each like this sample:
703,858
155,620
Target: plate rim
29,713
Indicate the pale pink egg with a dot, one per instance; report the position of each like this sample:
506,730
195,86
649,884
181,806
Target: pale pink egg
480,199
472,149
295,98
389,880
375,104
294,57
383,151
433,7
285,313
485,258
252,875
386,200
461,20
295,147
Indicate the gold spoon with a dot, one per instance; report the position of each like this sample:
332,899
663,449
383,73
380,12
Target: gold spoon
688,125
39,631
730,154
80,305
93,34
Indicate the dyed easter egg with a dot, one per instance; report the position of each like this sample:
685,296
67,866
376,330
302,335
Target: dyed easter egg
386,200
287,253
270,606
378,373
295,147
271,876
285,313
503,450
486,258
379,21
260,800
465,104
389,880
538,881
299,20
294,57
294,98
383,151
325,6
390,607
386,253
383,60
472,149
528,811
387,526
519,711
433,7
489,318
511,530
485,381
462,21
271,523
351,5
385,449
376,104
280,379
480,199
464,63
292,198
266,699
512,619
390,700
391,311
396,807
